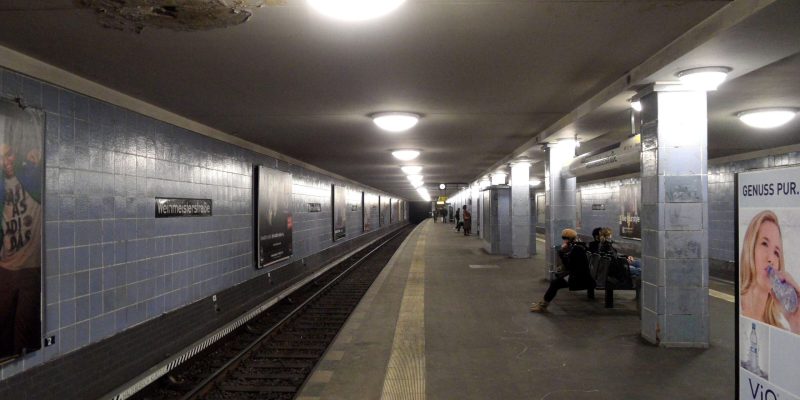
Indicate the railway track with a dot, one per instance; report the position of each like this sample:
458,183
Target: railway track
272,355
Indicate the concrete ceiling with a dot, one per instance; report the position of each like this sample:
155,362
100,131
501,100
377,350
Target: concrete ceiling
488,76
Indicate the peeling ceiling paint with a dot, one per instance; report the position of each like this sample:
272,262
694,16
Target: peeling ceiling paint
177,15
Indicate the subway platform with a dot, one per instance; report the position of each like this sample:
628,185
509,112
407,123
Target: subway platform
445,320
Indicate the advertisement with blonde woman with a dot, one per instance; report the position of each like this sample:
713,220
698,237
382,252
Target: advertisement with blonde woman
768,222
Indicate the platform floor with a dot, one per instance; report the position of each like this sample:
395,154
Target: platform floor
445,320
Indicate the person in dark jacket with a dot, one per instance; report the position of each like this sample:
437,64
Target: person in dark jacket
576,275
606,243
594,245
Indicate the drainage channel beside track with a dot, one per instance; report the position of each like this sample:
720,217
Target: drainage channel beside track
272,355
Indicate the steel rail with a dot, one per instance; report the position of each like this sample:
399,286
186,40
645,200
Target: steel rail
205,385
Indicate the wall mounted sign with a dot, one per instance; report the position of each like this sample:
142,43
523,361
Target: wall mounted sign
273,215
768,329
629,220
339,202
314,207
598,207
171,207
21,138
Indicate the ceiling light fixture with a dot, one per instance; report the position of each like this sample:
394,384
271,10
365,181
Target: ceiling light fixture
417,184
706,78
355,10
395,121
442,186
535,182
411,169
636,105
405,154
766,118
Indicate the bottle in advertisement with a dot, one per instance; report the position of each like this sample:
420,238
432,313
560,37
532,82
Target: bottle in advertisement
783,291
753,356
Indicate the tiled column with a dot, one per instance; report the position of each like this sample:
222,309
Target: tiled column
520,210
674,217
559,211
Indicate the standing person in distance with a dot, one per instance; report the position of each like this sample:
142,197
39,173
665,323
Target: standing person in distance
458,220
467,216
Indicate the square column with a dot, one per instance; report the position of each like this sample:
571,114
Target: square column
559,210
520,210
674,217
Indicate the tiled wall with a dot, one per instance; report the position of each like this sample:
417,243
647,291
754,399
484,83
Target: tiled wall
109,263
721,193
607,194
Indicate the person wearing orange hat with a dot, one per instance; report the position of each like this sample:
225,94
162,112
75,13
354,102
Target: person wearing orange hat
575,276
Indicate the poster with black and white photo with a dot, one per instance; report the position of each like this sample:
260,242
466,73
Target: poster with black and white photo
384,210
21,140
339,212
273,190
768,220
370,212
629,221
395,210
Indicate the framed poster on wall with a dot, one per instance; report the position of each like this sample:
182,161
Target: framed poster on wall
339,211
629,221
384,210
371,218
578,208
21,247
395,210
273,195
768,328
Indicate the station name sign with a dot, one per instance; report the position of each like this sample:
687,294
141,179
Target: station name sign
169,207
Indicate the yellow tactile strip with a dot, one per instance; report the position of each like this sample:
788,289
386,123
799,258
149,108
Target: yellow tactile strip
405,375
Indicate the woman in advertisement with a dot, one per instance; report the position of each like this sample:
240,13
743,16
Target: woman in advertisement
768,292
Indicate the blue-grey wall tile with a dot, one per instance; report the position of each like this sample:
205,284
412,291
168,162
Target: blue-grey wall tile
83,308
66,260
12,84
82,259
50,98
67,311
83,333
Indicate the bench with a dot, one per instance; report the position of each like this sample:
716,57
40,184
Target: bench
611,273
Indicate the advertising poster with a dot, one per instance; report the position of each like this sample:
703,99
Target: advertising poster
273,215
768,221
339,212
370,212
395,210
384,210
21,224
629,222
540,208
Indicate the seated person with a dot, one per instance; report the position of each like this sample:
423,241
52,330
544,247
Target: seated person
606,245
594,245
635,266
576,275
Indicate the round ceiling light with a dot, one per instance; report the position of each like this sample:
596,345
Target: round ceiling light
442,186
706,78
405,154
766,118
411,169
355,10
395,121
